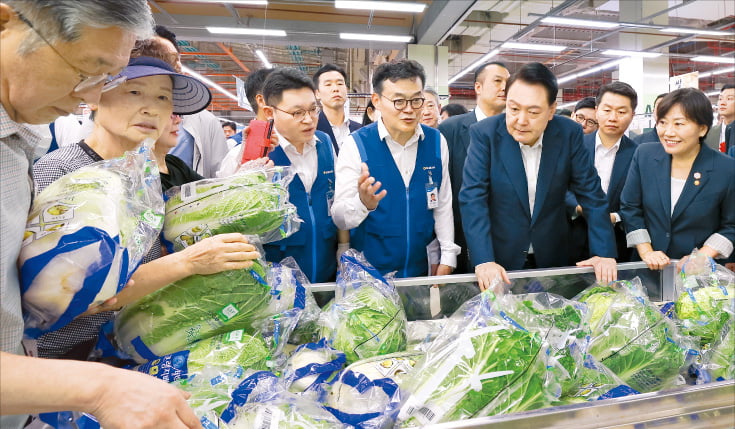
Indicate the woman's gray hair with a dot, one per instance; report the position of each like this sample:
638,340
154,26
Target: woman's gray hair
63,20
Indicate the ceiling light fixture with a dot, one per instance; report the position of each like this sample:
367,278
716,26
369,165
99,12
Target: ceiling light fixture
375,37
187,70
246,31
716,72
389,6
262,57
240,2
579,22
696,31
473,66
712,59
593,70
533,47
619,53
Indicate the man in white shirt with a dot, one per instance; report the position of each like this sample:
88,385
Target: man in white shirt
726,110
386,174
490,80
291,103
331,91
611,152
519,167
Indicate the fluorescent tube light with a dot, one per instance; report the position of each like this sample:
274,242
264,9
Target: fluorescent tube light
712,59
262,57
473,66
696,31
716,72
593,70
240,2
579,22
619,53
533,47
246,31
375,37
187,70
390,6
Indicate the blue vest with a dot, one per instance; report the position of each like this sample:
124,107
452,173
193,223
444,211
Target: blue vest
394,236
314,245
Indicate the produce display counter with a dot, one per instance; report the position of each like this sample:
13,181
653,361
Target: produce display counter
700,406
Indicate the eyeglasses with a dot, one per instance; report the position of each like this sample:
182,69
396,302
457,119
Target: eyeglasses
300,114
401,103
86,81
589,122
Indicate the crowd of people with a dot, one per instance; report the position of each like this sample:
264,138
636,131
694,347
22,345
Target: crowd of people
419,188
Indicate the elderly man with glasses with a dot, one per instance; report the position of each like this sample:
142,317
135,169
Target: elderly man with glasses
54,56
386,174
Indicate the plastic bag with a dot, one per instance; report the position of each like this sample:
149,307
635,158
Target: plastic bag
492,357
632,338
421,333
592,381
253,202
192,309
86,234
703,289
233,351
312,364
366,318
364,402
718,361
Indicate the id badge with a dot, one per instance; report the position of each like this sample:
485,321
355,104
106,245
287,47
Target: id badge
432,196
330,197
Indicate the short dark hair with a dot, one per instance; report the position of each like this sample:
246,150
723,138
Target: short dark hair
282,80
693,102
479,70
328,68
564,112
168,35
727,86
536,74
397,70
230,124
620,88
454,109
660,96
365,117
254,86
585,103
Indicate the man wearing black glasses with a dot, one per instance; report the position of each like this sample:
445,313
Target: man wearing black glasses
386,174
54,56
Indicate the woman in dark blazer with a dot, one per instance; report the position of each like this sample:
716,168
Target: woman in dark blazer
680,194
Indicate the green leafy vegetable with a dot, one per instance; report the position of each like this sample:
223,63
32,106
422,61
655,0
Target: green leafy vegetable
195,308
700,310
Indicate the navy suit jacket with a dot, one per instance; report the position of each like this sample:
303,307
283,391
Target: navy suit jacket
324,126
456,130
701,210
649,137
496,217
615,188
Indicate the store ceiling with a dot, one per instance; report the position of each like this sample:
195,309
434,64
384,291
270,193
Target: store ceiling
470,29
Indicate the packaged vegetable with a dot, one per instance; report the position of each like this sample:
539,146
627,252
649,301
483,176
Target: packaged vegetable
252,202
632,338
364,402
718,361
312,364
86,234
366,318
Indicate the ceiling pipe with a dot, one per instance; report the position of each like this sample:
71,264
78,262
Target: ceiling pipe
234,58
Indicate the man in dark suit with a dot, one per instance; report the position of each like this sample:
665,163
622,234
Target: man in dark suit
650,136
490,80
611,153
519,167
331,91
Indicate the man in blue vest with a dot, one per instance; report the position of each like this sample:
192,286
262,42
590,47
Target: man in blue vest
291,103
386,175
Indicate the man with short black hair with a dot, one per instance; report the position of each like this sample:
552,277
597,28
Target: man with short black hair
490,80
386,173
650,136
291,103
331,91
229,128
717,136
67,37
584,114
519,167
611,153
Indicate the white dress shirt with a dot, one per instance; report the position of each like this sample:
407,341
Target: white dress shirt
677,186
479,114
341,131
531,162
604,160
305,164
348,211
